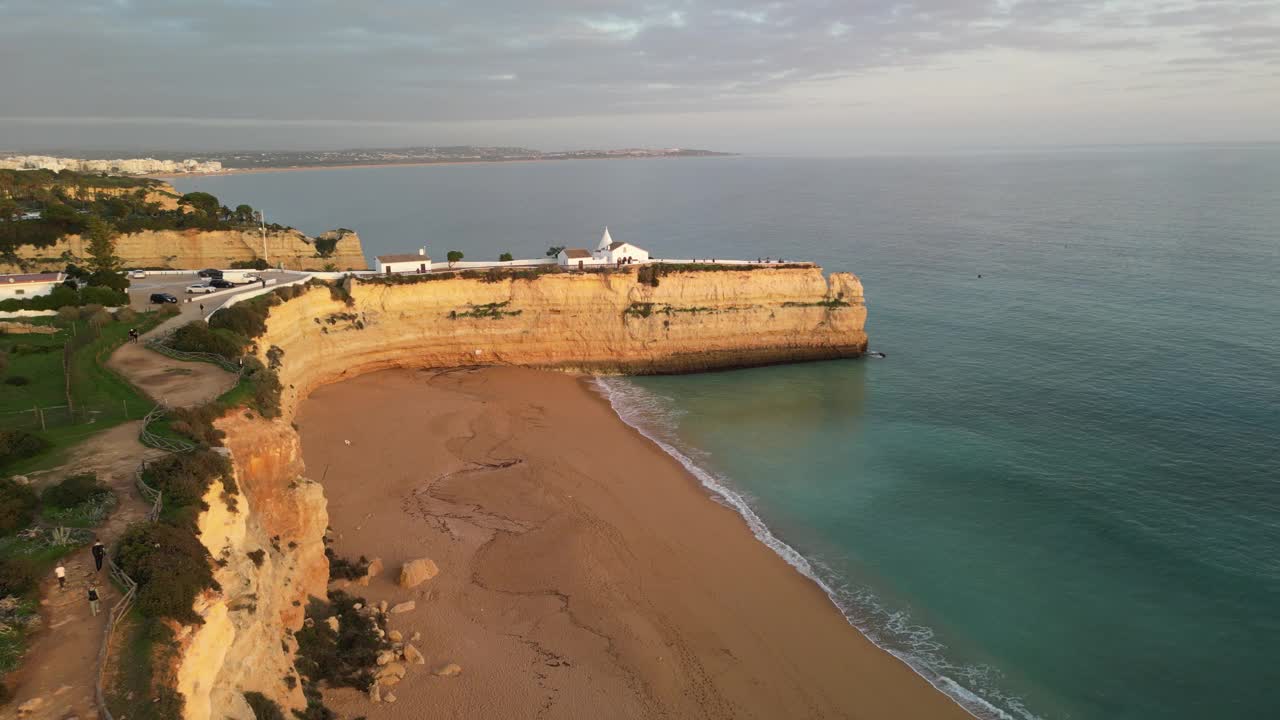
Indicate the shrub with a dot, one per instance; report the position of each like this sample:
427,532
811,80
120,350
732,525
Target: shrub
325,246
453,256
257,556
170,566
73,490
266,388
197,423
345,658
247,319
126,315
169,310
104,296
19,444
100,318
68,313
18,576
18,505
89,310
505,257
254,264
341,568
197,336
184,478
16,380
4,361
263,707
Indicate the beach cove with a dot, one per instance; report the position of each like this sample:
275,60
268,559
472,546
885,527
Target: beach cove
583,571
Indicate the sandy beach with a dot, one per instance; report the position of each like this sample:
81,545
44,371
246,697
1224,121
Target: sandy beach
583,572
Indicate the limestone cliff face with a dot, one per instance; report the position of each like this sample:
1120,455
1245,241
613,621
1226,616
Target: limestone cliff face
604,323
600,323
245,643
194,249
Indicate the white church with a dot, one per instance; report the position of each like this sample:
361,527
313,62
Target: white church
607,252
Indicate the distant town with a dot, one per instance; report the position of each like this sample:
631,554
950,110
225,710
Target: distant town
174,163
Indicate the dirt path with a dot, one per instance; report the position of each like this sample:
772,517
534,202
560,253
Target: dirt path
172,382
59,667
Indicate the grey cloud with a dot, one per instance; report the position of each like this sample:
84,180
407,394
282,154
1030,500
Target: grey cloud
406,61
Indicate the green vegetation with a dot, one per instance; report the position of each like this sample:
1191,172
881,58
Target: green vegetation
454,256
170,566
185,478
834,302
263,707
18,504
650,274
325,246
254,264
73,490
69,202
346,658
67,296
140,692
197,336
505,257
644,310
493,311
18,445
554,250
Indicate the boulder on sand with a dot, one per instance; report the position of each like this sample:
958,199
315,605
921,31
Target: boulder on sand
412,655
449,670
403,607
416,572
375,567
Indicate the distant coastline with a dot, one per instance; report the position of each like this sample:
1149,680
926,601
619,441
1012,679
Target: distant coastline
419,163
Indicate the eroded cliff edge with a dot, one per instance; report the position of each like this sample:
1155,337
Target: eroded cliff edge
593,322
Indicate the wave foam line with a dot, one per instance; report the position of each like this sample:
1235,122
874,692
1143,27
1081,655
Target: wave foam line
629,408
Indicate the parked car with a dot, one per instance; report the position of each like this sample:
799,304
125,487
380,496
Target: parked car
210,273
239,277
221,284
138,274
161,298
202,288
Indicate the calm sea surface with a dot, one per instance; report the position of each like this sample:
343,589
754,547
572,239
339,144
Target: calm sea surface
1059,495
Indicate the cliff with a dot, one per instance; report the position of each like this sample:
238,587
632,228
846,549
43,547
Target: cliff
598,323
194,249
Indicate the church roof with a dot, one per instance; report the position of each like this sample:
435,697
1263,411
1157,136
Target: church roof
615,246
605,240
577,253
414,257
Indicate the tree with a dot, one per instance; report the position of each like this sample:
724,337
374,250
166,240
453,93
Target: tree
454,256
104,264
554,250
505,257
202,201
244,213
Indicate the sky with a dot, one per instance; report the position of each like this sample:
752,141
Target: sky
811,77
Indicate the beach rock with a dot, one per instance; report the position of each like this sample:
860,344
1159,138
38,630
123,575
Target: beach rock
357,606
448,670
391,697
332,622
21,479
375,693
403,607
382,606
385,657
416,572
375,567
395,636
416,636
30,706
412,655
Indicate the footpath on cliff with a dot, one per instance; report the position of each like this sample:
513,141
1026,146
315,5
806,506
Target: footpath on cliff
56,678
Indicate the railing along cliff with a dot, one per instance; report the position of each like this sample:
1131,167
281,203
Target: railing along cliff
130,588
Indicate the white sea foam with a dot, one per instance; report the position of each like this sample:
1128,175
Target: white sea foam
650,415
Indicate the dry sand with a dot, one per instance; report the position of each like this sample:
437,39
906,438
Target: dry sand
583,572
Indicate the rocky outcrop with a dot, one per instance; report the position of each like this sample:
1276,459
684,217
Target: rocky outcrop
604,323
599,323
194,249
245,643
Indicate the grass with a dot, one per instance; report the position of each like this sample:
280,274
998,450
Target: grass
38,358
95,388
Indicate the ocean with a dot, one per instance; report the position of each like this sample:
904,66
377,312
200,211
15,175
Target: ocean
1058,496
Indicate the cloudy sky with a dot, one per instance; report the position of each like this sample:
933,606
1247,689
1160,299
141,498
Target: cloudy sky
801,77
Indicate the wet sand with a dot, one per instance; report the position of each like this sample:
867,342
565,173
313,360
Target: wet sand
583,572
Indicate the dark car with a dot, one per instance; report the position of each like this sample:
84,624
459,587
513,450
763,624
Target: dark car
161,298
210,273
220,283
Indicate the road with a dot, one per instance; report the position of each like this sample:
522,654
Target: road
140,291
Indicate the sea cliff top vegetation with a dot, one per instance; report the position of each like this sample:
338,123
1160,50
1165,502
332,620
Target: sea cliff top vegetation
39,207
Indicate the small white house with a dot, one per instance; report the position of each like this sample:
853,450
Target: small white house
607,252
21,287
406,263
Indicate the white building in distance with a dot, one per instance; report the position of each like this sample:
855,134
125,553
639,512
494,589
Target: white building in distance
21,287
607,252
119,166
406,263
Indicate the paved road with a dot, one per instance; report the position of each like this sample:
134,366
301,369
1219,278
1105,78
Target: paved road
140,291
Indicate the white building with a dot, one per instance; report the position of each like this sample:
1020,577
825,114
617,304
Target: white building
607,252
406,263
21,287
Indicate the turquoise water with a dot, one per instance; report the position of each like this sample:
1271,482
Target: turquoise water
1059,495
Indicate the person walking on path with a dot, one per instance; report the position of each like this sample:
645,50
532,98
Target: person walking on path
93,600
60,573
99,552
201,308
